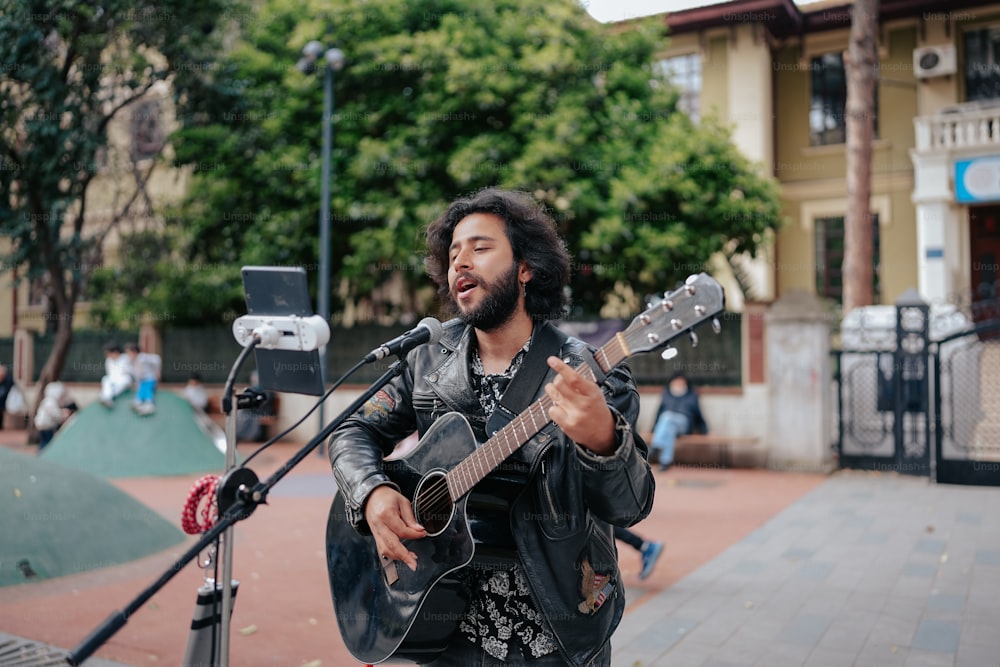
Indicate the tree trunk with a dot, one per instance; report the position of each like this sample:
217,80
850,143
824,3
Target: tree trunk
861,65
54,365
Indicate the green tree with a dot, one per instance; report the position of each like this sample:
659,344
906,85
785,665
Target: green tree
146,280
440,98
70,67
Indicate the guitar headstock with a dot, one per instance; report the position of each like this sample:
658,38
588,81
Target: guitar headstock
700,298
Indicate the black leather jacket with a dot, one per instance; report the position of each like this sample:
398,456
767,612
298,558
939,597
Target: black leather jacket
560,521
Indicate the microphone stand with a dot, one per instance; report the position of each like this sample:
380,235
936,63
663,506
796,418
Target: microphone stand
239,494
226,545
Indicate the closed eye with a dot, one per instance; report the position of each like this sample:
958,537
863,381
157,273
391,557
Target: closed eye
477,249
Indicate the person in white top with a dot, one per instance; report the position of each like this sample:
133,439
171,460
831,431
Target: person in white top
117,374
146,370
49,415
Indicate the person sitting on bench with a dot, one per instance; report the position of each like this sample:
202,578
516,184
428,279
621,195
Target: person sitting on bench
679,414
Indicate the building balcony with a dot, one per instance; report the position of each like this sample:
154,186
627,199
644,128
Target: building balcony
966,127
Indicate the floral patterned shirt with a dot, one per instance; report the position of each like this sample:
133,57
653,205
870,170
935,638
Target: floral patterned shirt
502,617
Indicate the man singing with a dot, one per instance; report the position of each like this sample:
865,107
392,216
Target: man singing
554,594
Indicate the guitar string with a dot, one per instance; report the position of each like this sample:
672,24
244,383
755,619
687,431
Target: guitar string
436,494
442,495
501,441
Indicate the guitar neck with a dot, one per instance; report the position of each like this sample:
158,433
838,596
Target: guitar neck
524,426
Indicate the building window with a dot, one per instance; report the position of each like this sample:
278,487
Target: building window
684,73
830,258
982,64
828,90
828,101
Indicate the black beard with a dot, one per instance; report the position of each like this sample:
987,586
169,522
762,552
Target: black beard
498,307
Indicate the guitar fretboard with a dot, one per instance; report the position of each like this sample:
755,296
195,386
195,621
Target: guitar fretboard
524,426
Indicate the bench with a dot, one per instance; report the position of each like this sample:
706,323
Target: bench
705,448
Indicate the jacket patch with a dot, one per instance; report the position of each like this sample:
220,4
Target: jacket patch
595,588
378,407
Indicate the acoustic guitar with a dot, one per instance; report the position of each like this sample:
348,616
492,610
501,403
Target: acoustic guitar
386,611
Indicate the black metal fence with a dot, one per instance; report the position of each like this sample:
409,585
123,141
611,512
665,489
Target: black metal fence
85,359
715,361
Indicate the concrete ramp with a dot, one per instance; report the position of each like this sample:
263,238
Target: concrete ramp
56,520
117,442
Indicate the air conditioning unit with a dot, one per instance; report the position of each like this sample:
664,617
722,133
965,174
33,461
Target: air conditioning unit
931,61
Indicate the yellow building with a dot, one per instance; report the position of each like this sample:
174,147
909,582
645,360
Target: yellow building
775,71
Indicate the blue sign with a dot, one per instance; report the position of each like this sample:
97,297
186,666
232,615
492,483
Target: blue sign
977,180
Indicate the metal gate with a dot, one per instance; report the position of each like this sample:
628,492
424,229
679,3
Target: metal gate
882,390
922,383
967,406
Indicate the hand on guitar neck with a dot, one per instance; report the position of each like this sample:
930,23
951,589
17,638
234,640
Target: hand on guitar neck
390,517
580,409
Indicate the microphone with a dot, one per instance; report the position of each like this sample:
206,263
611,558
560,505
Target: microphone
429,330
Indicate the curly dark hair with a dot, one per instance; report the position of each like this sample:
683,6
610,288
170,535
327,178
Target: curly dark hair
533,236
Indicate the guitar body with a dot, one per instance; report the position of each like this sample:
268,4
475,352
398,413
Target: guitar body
413,617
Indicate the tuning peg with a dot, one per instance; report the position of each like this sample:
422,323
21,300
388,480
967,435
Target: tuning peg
694,338
669,353
716,325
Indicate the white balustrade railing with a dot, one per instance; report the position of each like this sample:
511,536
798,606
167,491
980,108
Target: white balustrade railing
972,128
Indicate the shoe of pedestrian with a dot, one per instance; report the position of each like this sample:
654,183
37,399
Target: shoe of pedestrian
107,403
650,554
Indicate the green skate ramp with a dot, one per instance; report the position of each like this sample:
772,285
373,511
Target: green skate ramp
57,520
117,442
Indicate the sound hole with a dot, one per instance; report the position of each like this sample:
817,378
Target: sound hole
432,504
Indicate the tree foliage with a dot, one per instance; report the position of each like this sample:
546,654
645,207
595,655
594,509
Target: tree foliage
147,283
70,67
440,98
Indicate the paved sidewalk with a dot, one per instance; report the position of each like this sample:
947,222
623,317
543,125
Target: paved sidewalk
866,569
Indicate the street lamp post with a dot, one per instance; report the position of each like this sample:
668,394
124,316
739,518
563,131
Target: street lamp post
334,62
334,59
